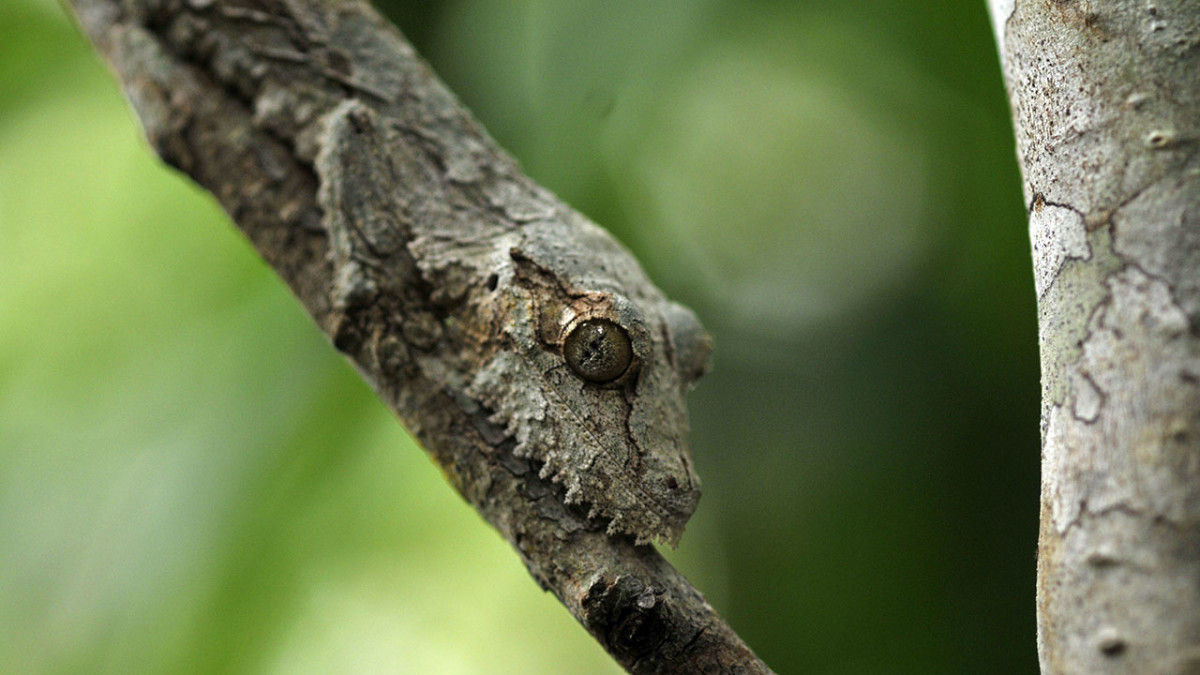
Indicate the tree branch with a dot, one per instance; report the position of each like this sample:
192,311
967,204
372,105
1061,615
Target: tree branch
346,162
1106,105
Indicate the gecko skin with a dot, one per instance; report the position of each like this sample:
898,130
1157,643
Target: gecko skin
528,313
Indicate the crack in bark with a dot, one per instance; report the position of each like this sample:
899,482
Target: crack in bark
1087,377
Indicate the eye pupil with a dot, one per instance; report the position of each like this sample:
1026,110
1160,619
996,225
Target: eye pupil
598,350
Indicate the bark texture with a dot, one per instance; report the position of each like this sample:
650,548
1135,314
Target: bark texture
1106,106
453,282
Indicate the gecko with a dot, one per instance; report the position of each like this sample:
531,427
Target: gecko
530,313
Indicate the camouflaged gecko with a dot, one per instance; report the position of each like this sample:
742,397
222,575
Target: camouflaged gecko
540,318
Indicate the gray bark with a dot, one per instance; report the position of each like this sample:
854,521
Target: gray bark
1106,106
521,345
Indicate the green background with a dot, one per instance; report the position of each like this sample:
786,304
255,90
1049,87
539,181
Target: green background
192,480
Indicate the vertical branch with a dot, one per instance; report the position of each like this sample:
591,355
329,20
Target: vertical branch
1106,107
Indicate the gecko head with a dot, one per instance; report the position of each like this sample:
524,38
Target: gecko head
614,368
630,366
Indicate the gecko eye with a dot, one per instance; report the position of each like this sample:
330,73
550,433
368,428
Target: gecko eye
598,350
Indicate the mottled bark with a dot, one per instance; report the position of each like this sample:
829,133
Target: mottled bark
1106,105
521,345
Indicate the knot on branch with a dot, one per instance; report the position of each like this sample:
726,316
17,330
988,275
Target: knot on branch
627,615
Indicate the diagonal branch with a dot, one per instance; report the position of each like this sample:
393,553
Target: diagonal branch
245,98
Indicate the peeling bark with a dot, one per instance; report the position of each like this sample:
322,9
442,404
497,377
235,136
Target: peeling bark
1106,107
454,284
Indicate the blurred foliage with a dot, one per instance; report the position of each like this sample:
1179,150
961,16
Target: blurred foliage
191,480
